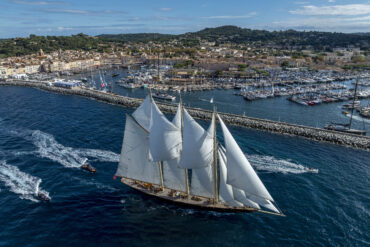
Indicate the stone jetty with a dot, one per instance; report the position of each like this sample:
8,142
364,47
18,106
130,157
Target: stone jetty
317,134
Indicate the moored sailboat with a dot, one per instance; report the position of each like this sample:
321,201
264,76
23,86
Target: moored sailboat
183,163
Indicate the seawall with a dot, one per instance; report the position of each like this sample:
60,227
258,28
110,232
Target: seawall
317,134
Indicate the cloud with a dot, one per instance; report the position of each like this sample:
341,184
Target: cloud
331,24
231,16
166,9
82,12
331,1
349,9
67,11
37,2
301,2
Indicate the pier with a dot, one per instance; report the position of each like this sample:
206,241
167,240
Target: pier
317,134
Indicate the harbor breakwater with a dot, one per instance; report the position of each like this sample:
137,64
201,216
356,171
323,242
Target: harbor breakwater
317,134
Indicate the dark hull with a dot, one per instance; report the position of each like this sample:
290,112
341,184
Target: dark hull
201,203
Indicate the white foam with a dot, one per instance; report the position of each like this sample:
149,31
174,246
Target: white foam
358,118
49,148
272,164
21,183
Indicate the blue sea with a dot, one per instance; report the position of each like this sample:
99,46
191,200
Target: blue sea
45,137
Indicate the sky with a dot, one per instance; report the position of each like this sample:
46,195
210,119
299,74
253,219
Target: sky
20,18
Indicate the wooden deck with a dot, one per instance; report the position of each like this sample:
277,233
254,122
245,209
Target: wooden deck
182,199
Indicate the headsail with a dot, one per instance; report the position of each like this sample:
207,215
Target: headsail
143,113
133,164
226,190
240,173
164,138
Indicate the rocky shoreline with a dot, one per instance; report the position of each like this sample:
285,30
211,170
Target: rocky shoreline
317,134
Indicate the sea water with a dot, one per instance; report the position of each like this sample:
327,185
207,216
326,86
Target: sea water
45,137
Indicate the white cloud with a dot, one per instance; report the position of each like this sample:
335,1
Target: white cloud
165,9
301,2
331,24
37,2
251,14
64,28
331,1
349,9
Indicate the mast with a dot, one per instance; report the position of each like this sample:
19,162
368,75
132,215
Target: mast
215,176
353,103
182,133
160,168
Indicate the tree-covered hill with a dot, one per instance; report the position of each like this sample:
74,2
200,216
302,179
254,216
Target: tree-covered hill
32,44
137,37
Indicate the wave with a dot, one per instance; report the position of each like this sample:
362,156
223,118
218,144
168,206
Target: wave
358,118
49,148
21,183
272,164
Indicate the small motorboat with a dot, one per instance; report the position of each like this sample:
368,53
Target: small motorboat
312,170
43,197
88,168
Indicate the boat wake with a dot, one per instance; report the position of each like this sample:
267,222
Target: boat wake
358,118
21,183
272,164
69,157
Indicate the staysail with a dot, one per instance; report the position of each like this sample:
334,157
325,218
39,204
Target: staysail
197,147
202,179
134,162
164,138
240,173
174,176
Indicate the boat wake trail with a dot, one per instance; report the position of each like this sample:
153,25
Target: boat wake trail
21,183
272,164
358,118
49,148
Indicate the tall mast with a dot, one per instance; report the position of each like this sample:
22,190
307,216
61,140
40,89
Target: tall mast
160,168
182,135
353,103
215,176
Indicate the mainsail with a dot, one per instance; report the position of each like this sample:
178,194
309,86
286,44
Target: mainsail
133,164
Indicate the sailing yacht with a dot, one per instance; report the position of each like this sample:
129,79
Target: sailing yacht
181,162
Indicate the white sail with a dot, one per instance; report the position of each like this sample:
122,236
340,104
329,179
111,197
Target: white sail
202,178
164,138
240,173
226,191
263,202
239,195
173,175
134,162
197,147
177,118
202,182
143,113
